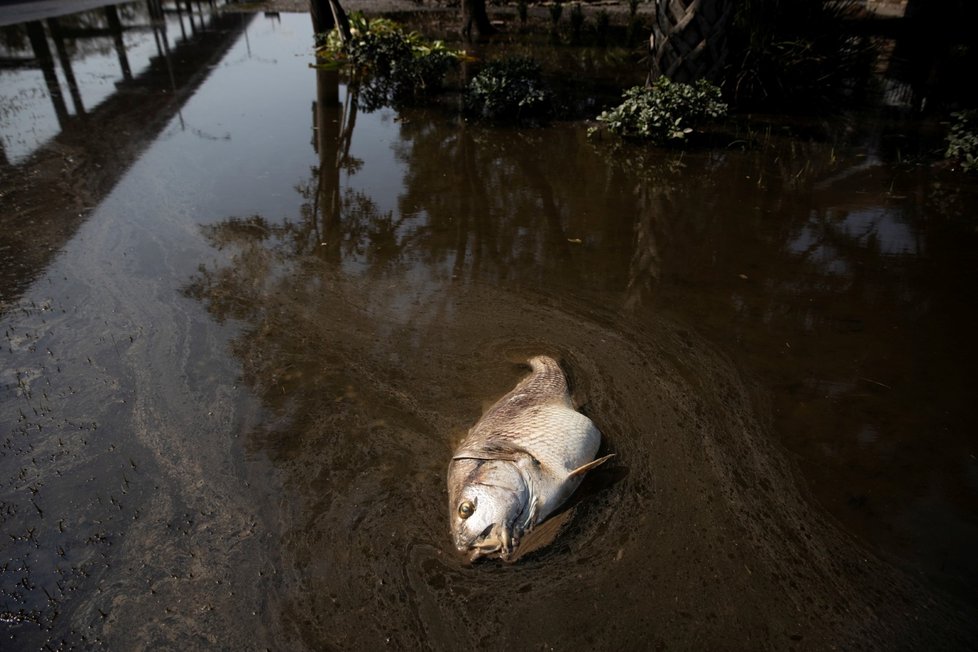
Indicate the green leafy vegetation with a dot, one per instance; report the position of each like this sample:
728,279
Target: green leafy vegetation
962,141
402,65
509,89
665,112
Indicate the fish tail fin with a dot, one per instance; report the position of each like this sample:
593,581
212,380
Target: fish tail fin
547,379
584,468
544,363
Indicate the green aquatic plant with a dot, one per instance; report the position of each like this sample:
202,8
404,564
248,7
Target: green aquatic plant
666,111
962,140
510,89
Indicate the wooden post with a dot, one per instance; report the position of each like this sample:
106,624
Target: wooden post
474,15
327,14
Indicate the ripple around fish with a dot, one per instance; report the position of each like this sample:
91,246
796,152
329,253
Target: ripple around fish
698,538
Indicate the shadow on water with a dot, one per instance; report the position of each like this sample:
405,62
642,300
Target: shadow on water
56,172
239,436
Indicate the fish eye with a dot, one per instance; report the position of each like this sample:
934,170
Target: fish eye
466,509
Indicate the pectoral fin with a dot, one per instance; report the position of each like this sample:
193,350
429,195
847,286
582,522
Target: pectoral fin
532,516
581,470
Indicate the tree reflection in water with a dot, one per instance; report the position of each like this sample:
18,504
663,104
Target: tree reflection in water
794,242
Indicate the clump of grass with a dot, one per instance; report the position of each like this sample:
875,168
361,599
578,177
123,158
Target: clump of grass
664,112
962,140
509,90
793,53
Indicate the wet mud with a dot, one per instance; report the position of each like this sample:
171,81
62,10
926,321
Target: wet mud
230,391
697,538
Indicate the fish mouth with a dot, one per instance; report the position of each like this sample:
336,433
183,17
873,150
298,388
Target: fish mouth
490,543
484,550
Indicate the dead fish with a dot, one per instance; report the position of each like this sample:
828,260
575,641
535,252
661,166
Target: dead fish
519,463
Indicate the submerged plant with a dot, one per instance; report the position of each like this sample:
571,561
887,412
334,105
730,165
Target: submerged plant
509,89
962,141
666,111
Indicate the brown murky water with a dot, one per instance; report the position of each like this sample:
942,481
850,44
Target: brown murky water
245,321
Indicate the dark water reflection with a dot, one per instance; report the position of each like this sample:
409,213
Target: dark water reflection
229,401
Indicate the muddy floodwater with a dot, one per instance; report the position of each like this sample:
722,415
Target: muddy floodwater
247,314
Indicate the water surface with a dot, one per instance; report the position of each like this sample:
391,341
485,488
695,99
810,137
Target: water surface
246,321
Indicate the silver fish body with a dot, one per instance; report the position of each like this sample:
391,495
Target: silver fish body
520,462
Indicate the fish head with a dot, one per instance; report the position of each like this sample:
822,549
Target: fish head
486,500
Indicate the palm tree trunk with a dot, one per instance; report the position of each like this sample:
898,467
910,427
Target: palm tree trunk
689,39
